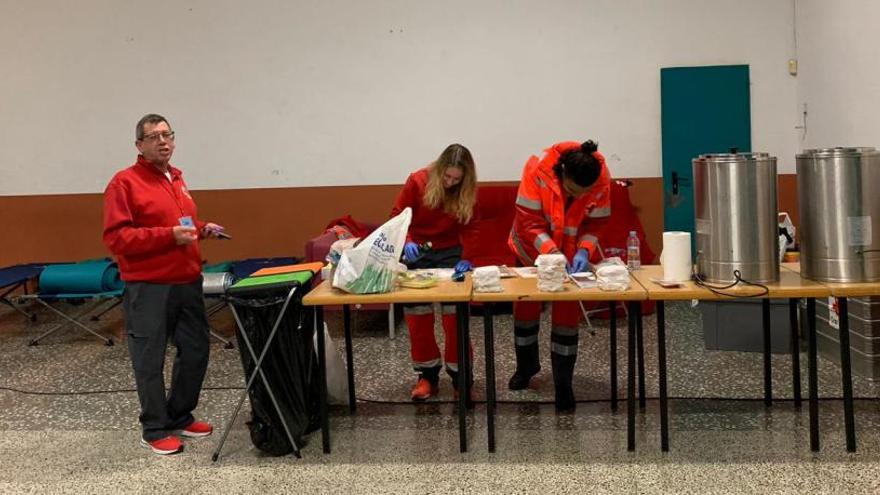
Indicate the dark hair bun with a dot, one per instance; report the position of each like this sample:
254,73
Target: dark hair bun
589,146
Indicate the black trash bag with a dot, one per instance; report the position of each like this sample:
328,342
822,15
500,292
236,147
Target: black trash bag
290,368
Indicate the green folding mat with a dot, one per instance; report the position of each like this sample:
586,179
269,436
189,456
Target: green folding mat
269,283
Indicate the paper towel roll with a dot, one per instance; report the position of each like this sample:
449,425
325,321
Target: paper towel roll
676,256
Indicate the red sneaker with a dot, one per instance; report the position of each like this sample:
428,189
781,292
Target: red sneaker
164,446
196,429
424,390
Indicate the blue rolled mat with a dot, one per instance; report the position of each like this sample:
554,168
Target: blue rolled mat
88,277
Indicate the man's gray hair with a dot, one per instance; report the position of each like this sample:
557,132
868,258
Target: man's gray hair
150,118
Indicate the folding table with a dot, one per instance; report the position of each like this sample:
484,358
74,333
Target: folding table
446,291
526,289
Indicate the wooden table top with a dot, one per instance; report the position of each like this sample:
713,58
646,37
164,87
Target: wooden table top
843,289
862,289
445,291
790,285
687,290
794,266
526,289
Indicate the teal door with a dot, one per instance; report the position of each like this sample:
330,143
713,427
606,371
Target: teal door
703,110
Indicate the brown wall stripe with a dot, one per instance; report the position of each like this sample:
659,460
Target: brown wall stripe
263,222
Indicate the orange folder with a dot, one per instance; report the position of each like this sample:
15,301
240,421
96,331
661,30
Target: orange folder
313,267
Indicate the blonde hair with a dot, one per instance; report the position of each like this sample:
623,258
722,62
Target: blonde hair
458,200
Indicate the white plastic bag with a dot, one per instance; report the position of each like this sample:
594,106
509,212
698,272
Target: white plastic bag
786,224
340,246
337,381
372,266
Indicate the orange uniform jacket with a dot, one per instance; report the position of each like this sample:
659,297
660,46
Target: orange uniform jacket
542,225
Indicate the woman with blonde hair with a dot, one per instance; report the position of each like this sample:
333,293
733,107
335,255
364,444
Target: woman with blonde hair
442,197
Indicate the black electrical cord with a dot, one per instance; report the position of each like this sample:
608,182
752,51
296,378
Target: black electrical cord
868,251
94,392
601,401
409,402
737,275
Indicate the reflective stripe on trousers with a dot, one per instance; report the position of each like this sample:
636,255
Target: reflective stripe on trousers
565,318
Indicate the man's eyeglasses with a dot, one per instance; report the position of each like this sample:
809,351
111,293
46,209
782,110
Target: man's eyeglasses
167,136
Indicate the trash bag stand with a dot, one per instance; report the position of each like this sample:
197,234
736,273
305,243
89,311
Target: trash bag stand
258,363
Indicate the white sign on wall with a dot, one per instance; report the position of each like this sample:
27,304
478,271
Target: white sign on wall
833,313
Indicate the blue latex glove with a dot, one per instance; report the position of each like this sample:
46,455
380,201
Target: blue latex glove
580,262
410,251
463,266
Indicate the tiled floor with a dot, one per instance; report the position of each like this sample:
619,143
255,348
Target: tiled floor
70,424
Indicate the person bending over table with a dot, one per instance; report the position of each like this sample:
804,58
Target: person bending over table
152,227
559,197
442,197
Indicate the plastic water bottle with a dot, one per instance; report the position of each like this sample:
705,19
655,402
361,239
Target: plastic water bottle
633,255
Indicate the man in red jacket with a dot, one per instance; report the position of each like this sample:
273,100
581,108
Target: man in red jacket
151,226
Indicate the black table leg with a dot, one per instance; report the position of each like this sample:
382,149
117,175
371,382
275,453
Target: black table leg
812,372
661,361
640,342
488,325
349,357
463,367
795,352
631,378
768,378
613,355
846,371
322,379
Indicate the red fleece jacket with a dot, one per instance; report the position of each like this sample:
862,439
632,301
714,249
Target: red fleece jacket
429,224
140,208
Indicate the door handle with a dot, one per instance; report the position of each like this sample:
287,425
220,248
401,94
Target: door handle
679,182
676,198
